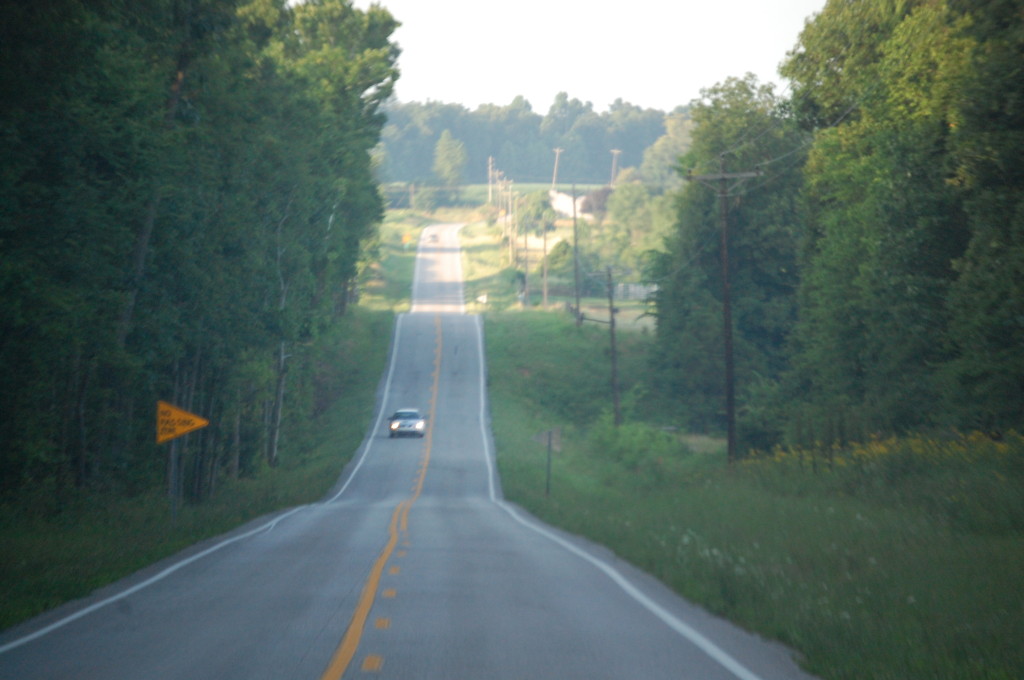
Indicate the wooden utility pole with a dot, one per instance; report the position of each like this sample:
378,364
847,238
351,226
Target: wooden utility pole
526,264
490,180
616,401
509,225
544,271
554,177
615,164
576,258
615,355
721,180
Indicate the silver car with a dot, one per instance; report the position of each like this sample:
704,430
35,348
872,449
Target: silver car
406,422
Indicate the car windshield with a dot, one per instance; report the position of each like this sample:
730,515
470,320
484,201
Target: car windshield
406,415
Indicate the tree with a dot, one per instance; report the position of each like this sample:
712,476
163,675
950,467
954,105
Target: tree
743,122
516,138
986,301
187,199
659,168
449,160
895,230
833,68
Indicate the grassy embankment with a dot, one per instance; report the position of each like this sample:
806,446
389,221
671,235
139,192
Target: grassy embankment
899,559
47,559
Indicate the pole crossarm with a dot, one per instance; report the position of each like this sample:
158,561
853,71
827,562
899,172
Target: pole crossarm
720,182
724,176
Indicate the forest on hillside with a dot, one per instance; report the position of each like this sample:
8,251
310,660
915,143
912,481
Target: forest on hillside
185,202
877,259
519,141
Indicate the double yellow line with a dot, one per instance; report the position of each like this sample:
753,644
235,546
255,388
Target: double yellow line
399,525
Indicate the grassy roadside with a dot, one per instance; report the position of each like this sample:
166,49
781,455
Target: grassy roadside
866,577
48,560
899,559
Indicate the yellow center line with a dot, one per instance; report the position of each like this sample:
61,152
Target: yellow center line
346,651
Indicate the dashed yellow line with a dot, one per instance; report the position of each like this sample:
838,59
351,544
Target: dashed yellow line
399,525
350,642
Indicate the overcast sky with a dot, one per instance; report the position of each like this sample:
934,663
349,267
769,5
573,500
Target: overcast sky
652,53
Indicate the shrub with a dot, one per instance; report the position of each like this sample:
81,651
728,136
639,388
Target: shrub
637,447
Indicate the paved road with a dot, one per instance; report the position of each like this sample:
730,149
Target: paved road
414,567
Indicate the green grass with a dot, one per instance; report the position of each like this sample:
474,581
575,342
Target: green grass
488,282
865,580
386,284
49,559
899,559
886,562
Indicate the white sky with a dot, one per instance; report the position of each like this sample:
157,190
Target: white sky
653,53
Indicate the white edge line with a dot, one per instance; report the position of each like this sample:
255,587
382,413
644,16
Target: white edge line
380,410
223,544
673,622
670,620
139,586
706,645
488,458
458,265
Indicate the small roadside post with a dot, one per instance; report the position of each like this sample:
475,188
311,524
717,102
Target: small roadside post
553,440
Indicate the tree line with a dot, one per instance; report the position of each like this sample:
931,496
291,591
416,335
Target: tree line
520,141
186,199
877,259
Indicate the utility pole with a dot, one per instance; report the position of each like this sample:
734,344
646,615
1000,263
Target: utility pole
576,258
616,401
554,177
544,271
617,409
490,180
509,225
526,263
722,180
615,163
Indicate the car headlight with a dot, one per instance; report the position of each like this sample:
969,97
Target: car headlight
394,424
420,424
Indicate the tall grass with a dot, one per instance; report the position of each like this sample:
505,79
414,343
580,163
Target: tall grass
901,558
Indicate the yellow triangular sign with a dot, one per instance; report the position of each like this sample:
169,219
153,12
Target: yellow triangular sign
172,422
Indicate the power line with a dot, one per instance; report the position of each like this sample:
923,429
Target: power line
722,180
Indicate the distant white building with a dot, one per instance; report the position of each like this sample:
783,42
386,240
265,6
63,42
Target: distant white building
562,203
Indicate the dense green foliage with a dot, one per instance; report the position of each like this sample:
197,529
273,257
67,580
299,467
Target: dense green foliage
51,558
877,262
520,141
185,202
899,558
738,125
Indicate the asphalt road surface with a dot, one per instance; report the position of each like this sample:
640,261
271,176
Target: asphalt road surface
413,567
